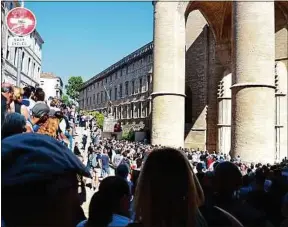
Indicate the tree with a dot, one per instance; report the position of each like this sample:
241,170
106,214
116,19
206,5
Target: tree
98,116
73,86
99,119
65,100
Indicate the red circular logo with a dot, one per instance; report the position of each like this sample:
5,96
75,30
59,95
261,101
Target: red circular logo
20,21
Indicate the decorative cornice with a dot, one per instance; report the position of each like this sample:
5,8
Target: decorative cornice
167,93
243,85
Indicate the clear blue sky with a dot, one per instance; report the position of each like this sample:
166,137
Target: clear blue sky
84,38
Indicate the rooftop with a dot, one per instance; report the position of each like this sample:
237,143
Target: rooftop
49,76
126,60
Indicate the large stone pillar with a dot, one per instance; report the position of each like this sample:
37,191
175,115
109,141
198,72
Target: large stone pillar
168,75
253,90
224,114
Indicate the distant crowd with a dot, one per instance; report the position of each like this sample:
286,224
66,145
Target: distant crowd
44,180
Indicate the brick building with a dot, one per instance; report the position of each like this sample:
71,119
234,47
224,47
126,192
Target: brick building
127,83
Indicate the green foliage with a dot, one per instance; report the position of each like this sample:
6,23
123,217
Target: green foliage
65,100
130,135
99,119
73,86
98,116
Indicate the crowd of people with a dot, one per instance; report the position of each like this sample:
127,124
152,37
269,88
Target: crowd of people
25,110
44,181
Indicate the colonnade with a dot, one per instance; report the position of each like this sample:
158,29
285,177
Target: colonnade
252,86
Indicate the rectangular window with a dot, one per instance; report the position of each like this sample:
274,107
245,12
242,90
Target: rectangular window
15,56
110,94
90,101
120,92
93,98
115,76
133,87
105,96
140,85
97,98
115,93
8,54
101,96
110,78
126,88
148,82
106,80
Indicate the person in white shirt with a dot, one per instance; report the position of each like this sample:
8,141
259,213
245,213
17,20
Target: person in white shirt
117,159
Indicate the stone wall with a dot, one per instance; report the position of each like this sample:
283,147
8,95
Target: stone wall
196,80
203,73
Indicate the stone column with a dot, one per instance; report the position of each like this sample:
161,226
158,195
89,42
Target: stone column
116,112
253,90
168,75
224,114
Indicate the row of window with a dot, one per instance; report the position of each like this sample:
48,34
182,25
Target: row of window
103,96
122,72
133,110
28,66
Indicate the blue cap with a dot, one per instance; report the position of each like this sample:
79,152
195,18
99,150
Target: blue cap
32,157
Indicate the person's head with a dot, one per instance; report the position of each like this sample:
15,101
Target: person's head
40,111
14,123
76,144
113,197
122,171
7,92
18,94
39,95
39,182
160,203
27,92
199,167
49,127
260,178
228,178
53,103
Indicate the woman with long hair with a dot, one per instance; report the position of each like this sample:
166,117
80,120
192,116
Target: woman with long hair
168,193
50,127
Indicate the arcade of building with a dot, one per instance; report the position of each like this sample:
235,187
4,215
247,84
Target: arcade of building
220,77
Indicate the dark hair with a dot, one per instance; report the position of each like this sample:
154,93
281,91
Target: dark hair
27,92
106,201
122,171
39,95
